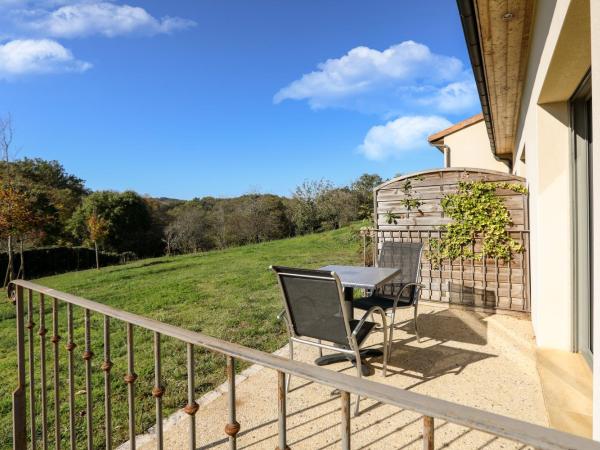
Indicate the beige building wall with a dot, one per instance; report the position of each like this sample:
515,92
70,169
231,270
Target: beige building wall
520,168
565,40
470,147
595,56
558,61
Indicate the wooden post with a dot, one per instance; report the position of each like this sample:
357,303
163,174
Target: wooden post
428,430
364,239
345,397
374,245
281,395
19,409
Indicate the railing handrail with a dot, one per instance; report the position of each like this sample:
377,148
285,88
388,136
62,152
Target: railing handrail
426,228
496,424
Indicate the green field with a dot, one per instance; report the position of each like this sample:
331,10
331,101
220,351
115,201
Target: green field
229,294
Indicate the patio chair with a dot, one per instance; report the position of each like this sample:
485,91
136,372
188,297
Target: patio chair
404,290
314,308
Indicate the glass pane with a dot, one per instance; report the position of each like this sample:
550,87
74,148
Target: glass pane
590,223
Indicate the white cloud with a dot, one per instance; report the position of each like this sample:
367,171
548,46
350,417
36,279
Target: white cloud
400,136
36,56
458,96
98,18
399,80
29,29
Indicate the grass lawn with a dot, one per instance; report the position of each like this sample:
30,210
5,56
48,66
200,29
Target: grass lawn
229,294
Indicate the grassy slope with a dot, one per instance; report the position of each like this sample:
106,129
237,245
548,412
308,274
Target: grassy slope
229,294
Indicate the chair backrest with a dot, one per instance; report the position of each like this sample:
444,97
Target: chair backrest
405,256
313,301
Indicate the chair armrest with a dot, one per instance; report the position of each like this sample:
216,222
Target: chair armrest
418,285
366,315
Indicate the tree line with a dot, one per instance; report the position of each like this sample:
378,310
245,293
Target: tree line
41,204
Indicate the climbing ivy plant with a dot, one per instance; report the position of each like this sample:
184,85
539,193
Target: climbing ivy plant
409,201
478,213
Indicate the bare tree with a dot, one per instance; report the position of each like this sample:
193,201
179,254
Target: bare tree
6,139
219,225
263,218
169,238
188,233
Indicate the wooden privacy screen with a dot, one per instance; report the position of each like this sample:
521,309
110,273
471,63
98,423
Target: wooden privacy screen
488,283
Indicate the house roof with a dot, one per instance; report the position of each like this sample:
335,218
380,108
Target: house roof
497,33
454,128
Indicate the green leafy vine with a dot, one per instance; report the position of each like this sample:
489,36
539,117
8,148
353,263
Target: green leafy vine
478,213
409,202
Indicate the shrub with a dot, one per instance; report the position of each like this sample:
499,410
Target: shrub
54,260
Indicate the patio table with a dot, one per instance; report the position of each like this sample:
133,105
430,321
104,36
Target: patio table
353,277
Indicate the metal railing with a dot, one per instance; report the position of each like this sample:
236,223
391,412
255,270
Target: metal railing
429,407
488,283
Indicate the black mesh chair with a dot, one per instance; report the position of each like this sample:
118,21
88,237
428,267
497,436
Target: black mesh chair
314,308
404,290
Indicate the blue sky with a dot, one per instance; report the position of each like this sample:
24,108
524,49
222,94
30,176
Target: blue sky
222,97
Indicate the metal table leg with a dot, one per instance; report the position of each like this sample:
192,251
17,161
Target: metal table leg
349,297
339,357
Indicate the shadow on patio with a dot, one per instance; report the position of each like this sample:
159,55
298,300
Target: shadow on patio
450,325
481,360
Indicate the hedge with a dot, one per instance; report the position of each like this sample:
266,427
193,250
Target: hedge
44,261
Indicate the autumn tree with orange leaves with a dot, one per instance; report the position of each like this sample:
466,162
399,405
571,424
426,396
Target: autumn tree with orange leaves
20,216
98,231
17,218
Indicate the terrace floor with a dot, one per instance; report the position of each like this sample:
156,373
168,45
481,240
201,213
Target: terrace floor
483,360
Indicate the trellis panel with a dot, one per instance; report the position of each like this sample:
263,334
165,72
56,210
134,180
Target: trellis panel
488,283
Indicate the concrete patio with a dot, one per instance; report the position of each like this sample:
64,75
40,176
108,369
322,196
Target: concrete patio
477,359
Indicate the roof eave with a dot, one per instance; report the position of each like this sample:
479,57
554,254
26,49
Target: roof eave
440,135
468,19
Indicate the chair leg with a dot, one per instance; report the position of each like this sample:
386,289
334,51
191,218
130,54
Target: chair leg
391,337
359,369
416,327
385,345
289,377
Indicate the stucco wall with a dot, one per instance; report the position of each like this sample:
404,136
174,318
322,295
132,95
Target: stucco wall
470,147
595,55
544,131
552,229
565,39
